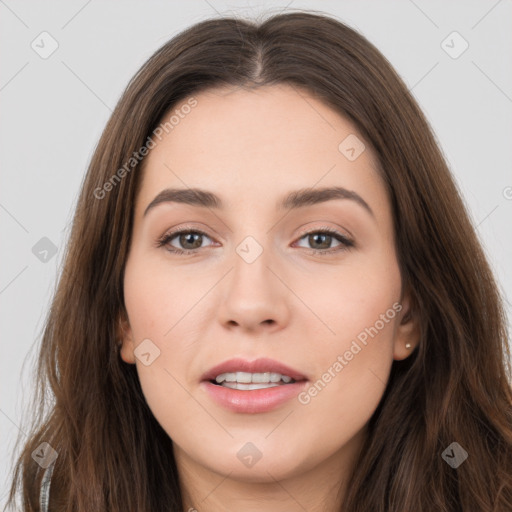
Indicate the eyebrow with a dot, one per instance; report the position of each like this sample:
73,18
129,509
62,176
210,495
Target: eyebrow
293,200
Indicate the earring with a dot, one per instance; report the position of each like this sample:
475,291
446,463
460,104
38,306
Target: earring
407,345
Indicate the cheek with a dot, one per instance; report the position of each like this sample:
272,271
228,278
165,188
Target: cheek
352,377
352,365
345,300
159,305
159,298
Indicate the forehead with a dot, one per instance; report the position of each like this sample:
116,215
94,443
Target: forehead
248,144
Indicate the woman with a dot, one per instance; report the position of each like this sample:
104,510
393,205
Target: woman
273,298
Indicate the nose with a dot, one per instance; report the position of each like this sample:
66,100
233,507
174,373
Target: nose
254,297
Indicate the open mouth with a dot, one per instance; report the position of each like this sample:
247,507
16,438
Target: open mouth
252,387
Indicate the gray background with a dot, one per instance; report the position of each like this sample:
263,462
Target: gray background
54,109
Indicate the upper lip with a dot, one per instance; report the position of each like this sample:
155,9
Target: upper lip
261,365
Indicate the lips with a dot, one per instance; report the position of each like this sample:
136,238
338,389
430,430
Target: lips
262,365
254,398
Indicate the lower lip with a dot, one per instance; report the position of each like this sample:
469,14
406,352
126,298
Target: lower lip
255,400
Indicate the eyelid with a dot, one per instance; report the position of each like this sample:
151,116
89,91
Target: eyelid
336,231
186,228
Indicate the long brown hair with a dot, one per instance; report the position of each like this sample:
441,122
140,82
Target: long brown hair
112,453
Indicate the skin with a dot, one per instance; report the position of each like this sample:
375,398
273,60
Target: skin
303,309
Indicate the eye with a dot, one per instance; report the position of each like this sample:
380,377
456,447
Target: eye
190,241
321,240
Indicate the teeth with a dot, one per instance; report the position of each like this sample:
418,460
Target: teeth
255,378
249,387
261,377
243,377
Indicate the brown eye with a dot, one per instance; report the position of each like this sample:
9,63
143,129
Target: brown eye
188,241
320,242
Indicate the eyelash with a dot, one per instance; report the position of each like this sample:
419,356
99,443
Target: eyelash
345,242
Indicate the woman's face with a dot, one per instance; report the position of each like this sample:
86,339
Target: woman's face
280,168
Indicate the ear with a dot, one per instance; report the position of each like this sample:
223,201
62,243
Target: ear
407,329
124,337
